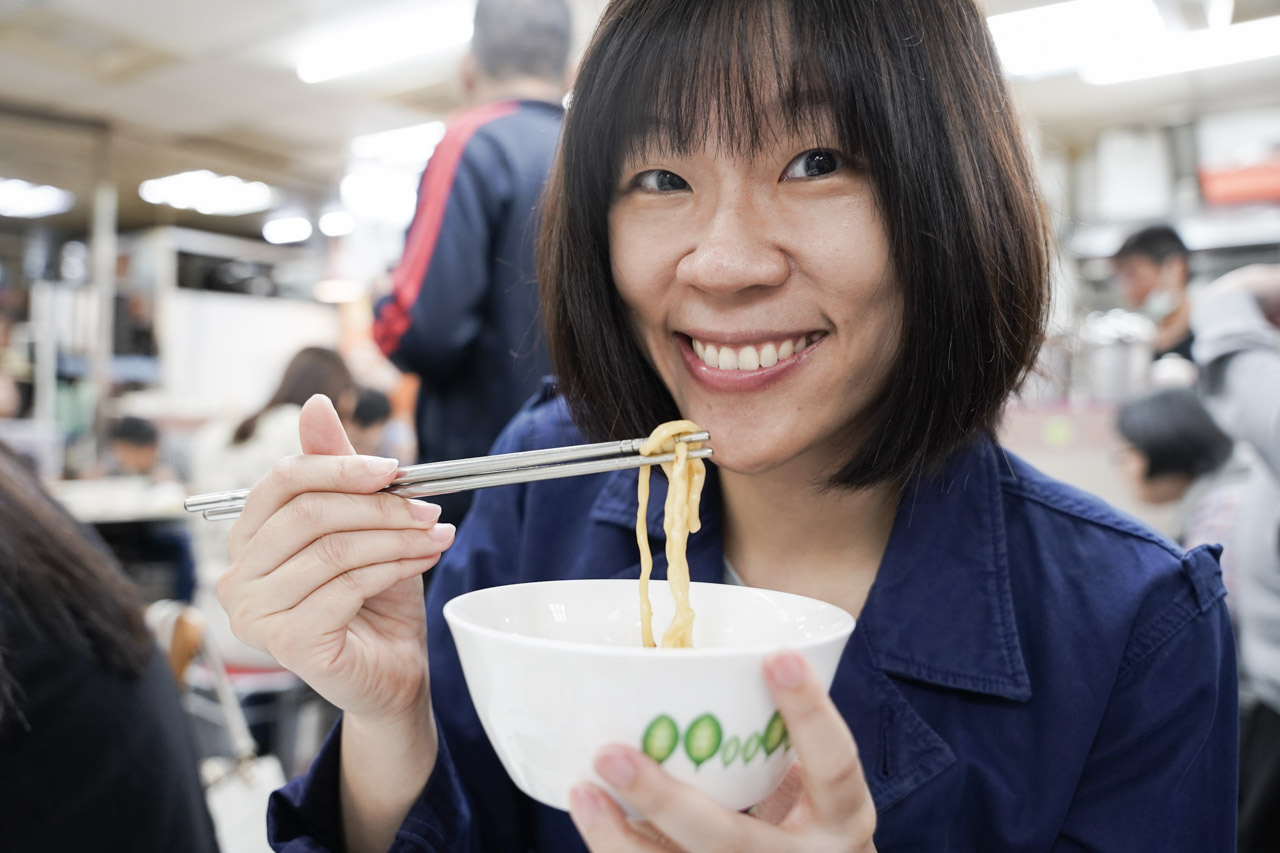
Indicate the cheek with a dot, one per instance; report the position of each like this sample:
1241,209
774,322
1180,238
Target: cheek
642,271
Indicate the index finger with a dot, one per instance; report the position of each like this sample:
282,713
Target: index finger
829,763
297,475
335,468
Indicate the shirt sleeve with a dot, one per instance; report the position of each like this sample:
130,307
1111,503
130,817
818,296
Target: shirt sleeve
433,316
1240,360
469,804
1162,773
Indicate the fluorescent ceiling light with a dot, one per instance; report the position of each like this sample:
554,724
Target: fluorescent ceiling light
206,192
24,200
1178,53
337,223
441,26
290,229
1063,37
404,146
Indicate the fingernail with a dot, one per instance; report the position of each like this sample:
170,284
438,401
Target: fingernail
424,512
585,802
442,533
786,670
617,768
380,467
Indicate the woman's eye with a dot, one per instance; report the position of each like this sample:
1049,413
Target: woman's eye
813,164
661,181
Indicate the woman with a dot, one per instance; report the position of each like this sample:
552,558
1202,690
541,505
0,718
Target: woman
228,454
811,227
95,753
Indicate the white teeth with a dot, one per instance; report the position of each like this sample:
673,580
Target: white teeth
750,357
768,355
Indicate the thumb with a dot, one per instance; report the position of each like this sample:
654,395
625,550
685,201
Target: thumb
320,429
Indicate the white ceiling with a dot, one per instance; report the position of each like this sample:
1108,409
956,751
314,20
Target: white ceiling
186,84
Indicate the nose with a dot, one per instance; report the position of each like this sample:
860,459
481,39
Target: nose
735,250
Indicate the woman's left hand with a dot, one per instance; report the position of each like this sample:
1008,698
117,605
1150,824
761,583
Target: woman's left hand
831,811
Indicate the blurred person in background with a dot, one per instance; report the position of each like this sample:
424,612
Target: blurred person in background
1176,453
233,455
463,312
135,452
367,425
1152,270
1236,347
95,752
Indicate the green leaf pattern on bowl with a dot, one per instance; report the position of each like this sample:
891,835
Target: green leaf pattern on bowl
704,739
661,738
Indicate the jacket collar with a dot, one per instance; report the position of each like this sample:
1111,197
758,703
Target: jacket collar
941,609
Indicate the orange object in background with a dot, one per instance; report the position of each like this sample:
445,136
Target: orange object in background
1237,185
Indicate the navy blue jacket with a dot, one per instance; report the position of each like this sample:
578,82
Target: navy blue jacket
1032,671
463,314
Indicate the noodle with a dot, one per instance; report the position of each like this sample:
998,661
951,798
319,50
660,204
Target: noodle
684,491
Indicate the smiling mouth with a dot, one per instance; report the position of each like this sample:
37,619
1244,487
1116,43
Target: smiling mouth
758,356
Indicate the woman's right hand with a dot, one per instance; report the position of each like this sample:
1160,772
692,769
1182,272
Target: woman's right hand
326,575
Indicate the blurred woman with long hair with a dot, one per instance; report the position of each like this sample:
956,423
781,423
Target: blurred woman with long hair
233,454
94,748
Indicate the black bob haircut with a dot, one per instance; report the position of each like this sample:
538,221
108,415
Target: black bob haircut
1159,243
1174,432
914,92
139,432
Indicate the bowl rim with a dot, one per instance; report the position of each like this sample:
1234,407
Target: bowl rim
456,621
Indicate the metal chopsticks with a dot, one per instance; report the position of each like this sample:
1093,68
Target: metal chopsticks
438,478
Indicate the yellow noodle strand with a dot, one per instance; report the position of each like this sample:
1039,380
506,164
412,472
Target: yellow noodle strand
685,478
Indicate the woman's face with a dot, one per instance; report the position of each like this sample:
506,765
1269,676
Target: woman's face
761,288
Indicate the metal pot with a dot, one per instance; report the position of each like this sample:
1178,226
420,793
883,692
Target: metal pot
1115,356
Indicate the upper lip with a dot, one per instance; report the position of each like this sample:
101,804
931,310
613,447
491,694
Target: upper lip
745,338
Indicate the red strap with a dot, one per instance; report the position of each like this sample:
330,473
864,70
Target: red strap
433,197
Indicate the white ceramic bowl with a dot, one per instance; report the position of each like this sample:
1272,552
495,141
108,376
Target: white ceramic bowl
556,672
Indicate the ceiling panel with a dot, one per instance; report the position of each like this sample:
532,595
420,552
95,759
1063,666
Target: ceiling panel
29,80
195,29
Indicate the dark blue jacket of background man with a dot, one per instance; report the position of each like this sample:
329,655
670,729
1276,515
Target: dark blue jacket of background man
463,314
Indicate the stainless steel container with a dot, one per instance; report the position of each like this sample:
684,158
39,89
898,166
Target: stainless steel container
1115,355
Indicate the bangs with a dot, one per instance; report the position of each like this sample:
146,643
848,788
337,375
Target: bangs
741,73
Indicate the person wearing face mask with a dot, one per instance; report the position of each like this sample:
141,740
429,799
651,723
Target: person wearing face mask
1152,270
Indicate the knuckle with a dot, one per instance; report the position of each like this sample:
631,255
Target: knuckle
334,549
224,589
282,474
305,511
349,582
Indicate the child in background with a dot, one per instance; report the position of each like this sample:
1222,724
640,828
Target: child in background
135,446
1177,453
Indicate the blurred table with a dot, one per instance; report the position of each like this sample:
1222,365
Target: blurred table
144,525
113,500
1076,443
